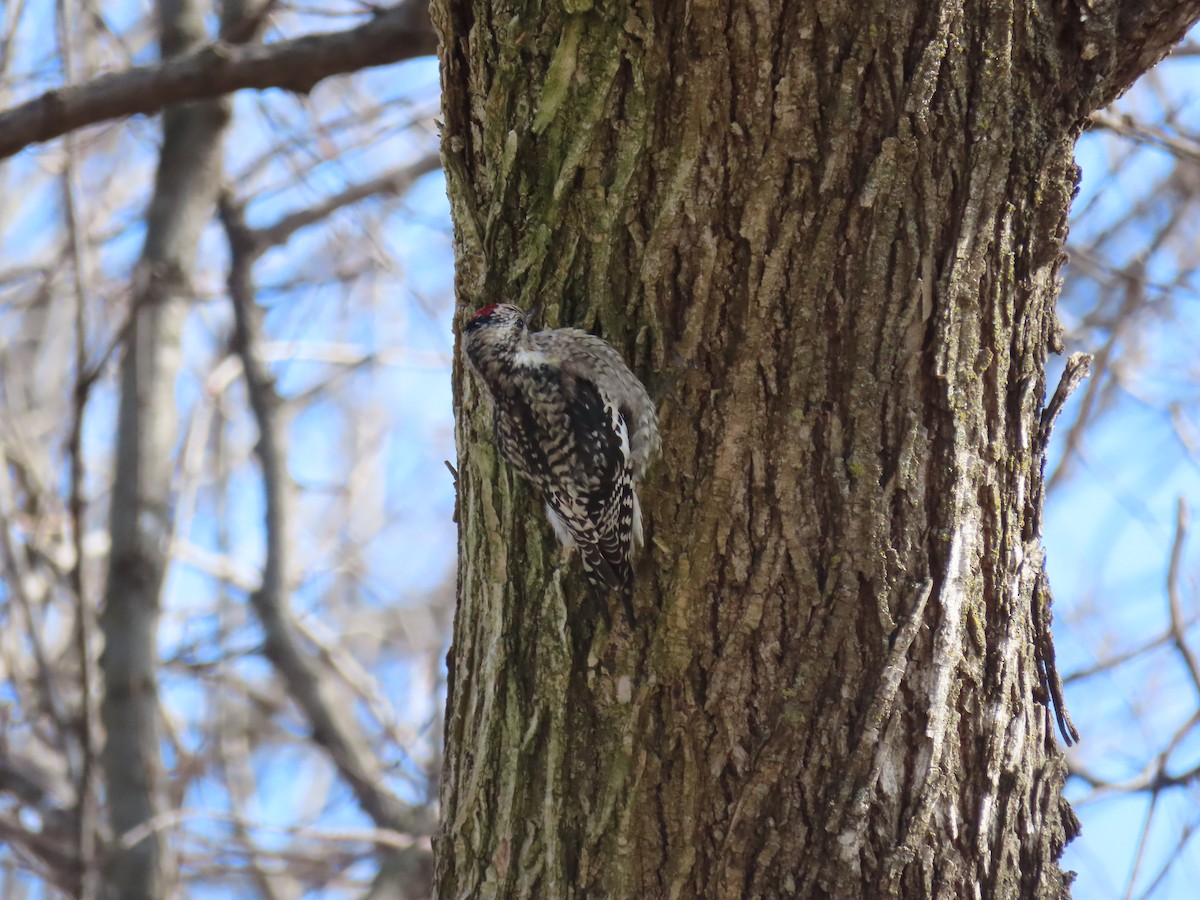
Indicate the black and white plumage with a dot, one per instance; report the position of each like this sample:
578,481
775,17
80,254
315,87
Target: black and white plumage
576,424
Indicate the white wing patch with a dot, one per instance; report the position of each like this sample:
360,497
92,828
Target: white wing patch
560,527
531,358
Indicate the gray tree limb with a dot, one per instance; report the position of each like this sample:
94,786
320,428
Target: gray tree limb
397,33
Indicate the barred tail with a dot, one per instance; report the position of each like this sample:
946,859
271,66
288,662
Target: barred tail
609,570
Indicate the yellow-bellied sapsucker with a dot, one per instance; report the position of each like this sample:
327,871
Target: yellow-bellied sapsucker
577,425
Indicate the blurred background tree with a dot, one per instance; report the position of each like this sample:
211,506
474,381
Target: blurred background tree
280,651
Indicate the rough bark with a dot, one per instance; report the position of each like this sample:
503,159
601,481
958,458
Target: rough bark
185,190
828,236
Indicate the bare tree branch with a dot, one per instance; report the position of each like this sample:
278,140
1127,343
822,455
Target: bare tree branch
1182,147
331,728
85,626
398,33
1175,601
396,181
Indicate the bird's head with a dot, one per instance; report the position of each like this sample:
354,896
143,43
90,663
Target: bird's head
501,316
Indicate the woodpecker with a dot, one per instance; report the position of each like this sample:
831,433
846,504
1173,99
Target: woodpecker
577,425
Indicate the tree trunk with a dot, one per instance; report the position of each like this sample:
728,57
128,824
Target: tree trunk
185,191
828,237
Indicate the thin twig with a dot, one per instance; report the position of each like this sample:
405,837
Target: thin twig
1141,847
1174,601
1077,368
1046,658
397,181
86,800
1185,836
